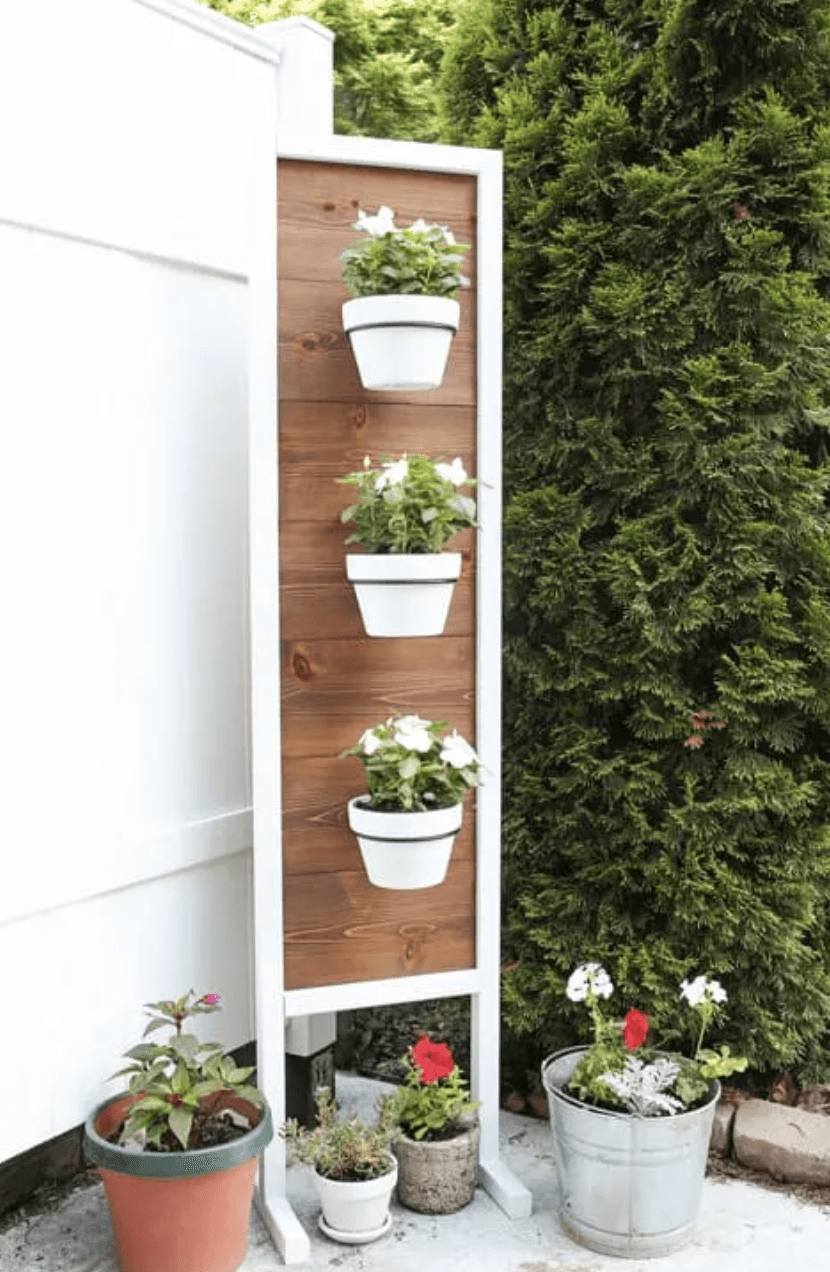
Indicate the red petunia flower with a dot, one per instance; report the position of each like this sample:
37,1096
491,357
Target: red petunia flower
635,1029
433,1059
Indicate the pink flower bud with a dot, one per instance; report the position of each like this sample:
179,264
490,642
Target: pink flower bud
210,1000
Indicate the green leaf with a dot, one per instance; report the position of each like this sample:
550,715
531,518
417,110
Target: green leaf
181,1120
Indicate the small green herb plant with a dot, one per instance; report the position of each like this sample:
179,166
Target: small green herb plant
392,260
408,505
345,1149
433,1102
176,1080
413,765
619,1070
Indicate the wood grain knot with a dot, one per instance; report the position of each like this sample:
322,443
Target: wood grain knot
357,416
329,207
303,669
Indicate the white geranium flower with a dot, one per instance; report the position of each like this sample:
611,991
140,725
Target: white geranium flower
700,989
457,752
369,742
420,226
454,472
383,222
412,739
392,474
449,237
589,977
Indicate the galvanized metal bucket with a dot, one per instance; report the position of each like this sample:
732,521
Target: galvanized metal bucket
629,1186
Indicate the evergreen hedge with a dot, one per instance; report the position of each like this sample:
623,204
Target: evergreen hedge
667,730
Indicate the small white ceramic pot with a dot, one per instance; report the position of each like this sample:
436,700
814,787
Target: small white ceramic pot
403,595
404,850
401,342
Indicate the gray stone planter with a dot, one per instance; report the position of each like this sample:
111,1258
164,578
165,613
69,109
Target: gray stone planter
439,1177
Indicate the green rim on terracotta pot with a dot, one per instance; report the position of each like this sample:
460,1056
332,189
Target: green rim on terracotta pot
183,1165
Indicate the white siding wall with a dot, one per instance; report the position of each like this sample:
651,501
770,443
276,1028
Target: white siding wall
136,170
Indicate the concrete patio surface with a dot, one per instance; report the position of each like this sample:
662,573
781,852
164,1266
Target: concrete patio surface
742,1227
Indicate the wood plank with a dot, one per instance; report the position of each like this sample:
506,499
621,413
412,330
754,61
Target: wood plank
316,835
332,690
315,608
321,442
339,928
326,196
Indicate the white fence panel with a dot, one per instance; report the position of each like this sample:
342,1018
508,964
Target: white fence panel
136,266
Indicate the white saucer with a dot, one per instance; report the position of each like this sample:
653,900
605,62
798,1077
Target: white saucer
354,1238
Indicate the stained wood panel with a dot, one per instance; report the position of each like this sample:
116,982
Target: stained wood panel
336,682
374,933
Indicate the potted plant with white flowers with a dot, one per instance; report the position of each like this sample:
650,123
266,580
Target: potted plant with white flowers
406,511
404,314
418,774
631,1124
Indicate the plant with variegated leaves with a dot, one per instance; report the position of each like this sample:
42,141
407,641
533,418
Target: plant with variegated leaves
179,1084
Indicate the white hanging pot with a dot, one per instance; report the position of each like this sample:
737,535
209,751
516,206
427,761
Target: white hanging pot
401,342
355,1213
402,595
404,850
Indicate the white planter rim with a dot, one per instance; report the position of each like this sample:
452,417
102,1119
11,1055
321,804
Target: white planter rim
401,310
389,826
343,1184
403,567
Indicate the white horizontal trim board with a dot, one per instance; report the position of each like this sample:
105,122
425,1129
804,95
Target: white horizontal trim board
381,153
217,26
154,857
191,263
401,989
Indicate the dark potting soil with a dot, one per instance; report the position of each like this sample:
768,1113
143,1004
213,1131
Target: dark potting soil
216,1130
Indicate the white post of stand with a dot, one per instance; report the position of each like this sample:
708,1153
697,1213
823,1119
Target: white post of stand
303,105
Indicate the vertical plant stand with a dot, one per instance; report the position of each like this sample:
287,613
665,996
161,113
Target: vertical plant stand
325,939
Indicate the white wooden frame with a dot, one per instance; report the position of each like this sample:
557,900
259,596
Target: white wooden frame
274,1003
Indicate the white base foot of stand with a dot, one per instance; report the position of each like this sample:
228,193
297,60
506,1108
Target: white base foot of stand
286,1231
507,1191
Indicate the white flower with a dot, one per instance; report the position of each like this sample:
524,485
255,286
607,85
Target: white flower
383,222
412,738
420,226
457,752
589,977
392,474
407,723
369,742
449,237
454,472
700,989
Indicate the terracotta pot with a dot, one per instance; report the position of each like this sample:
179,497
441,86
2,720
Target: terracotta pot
437,1177
178,1212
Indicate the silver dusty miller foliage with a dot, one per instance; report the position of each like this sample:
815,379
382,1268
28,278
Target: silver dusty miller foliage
642,1086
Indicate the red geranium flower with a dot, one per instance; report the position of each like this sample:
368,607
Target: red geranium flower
635,1029
433,1059
210,999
